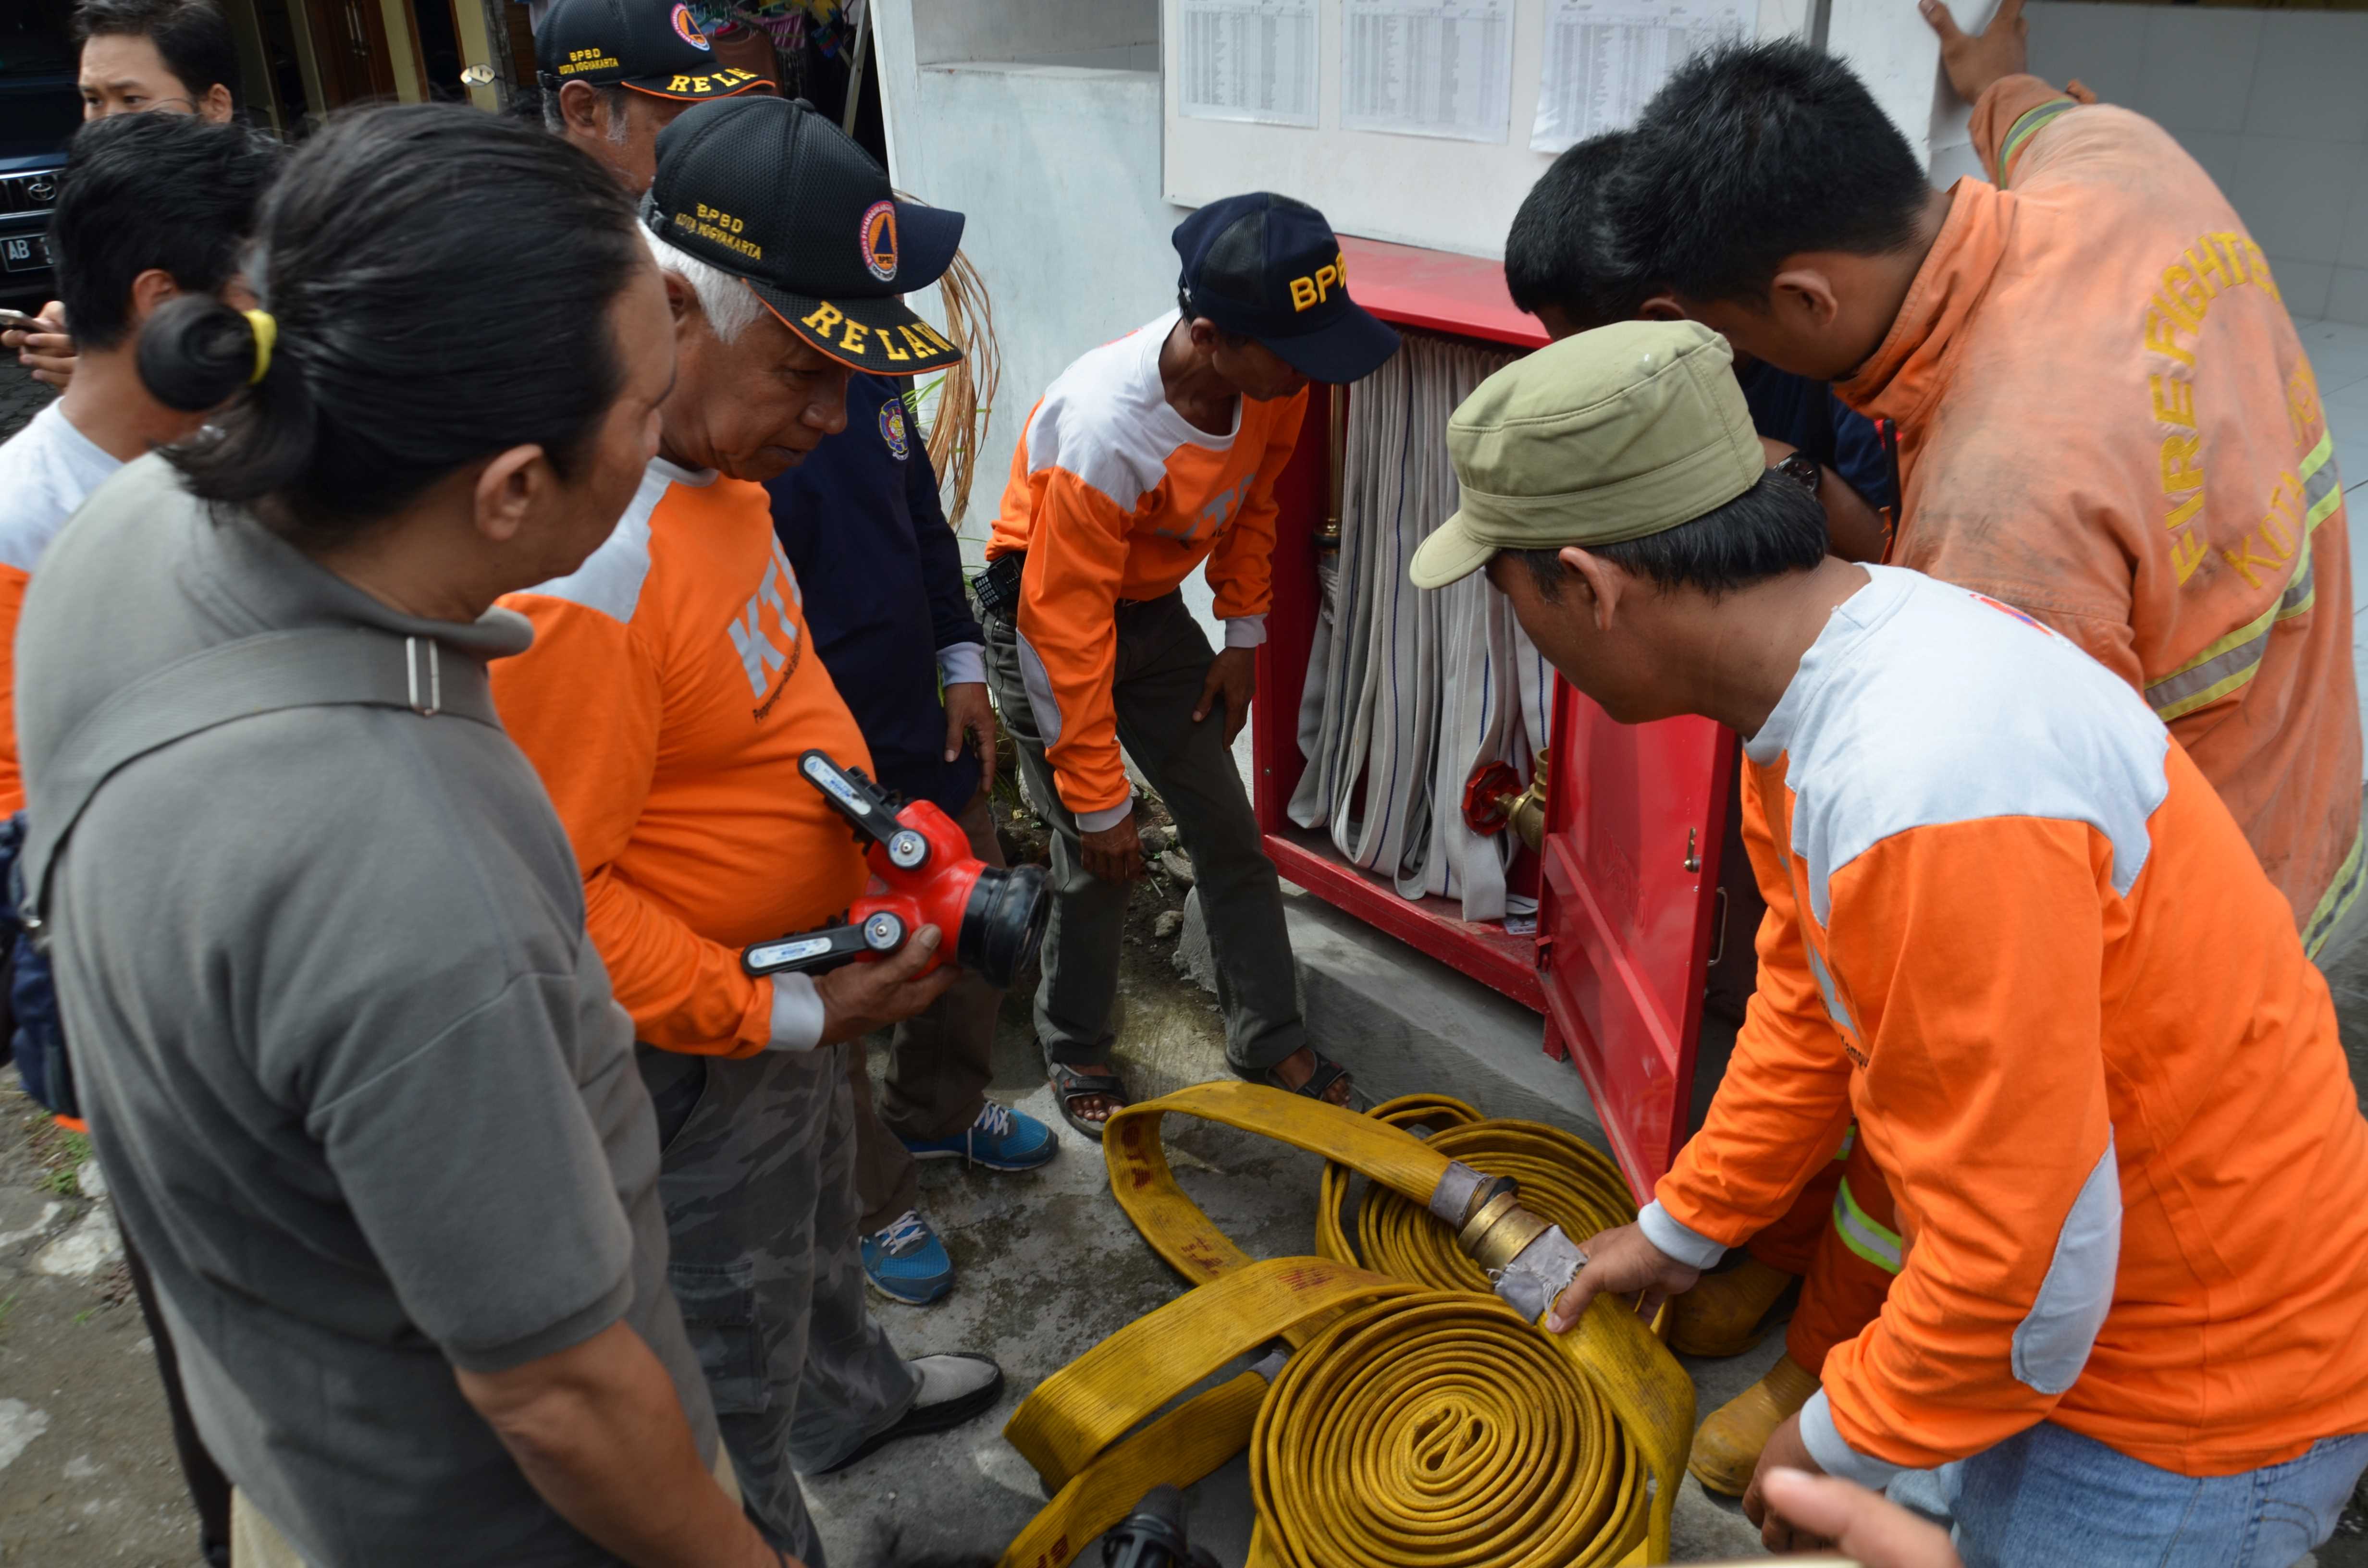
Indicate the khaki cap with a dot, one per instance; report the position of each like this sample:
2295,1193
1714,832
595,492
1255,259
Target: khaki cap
1608,435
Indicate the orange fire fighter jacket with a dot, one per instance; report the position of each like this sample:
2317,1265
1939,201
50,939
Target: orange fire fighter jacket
1115,495
2015,933
2105,417
668,694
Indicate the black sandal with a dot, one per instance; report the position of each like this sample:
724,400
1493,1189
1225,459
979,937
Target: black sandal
1070,1086
1327,1072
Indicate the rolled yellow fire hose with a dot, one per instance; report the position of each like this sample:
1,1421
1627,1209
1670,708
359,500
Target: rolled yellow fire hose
1420,1422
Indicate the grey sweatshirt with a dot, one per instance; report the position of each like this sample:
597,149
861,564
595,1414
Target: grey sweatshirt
369,1107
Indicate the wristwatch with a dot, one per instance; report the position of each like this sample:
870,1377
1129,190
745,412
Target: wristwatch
1801,466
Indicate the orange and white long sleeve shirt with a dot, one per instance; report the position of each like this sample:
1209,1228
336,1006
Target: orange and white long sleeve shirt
1115,495
2106,418
2016,934
668,694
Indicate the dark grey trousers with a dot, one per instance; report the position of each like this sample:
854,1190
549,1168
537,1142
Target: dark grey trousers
758,1183
1163,658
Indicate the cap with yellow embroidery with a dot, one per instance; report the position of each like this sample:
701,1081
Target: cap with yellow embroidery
773,193
1628,430
652,46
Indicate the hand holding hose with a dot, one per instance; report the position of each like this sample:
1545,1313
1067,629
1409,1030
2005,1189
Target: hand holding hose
1622,1262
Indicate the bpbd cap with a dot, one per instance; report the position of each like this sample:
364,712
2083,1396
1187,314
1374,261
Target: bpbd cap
772,192
651,46
1270,269
1614,434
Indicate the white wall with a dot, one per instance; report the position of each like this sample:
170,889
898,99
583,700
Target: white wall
1461,196
2274,105
1057,167
1044,31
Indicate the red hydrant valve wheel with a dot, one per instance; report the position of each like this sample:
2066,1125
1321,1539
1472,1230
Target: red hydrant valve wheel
1488,796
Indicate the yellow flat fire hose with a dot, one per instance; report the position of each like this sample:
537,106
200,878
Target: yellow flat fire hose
1420,1420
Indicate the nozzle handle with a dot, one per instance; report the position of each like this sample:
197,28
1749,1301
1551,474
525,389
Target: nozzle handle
853,796
811,952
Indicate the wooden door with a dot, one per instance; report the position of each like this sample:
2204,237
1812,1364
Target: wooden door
350,47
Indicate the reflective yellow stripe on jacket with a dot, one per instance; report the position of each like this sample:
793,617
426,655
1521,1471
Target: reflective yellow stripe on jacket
1876,1242
2024,128
2233,659
2337,902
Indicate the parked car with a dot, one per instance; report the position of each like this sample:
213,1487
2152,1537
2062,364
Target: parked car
40,108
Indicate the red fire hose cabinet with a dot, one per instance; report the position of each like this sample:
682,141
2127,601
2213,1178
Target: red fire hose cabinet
1627,877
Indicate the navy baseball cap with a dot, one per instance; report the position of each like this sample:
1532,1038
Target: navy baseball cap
1270,269
773,193
651,46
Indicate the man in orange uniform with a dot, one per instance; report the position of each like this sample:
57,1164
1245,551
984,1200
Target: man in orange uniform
2014,931
668,695
1145,458
2105,419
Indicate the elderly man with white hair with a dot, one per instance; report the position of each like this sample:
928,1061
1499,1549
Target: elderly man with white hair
668,696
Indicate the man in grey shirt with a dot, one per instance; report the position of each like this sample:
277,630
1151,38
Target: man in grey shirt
371,1107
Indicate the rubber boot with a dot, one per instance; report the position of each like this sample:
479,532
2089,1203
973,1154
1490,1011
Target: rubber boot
1727,1450
1721,1315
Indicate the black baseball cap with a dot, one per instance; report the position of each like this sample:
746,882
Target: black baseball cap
772,192
1270,269
651,46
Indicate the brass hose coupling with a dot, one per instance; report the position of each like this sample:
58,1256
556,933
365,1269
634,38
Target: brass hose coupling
1526,1256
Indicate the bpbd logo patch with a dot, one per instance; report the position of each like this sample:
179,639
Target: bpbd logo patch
686,26
877,239
892,427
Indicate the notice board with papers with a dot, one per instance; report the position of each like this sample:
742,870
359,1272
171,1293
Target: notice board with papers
1426,121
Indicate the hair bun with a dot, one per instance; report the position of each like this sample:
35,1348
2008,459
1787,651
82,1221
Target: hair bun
195,353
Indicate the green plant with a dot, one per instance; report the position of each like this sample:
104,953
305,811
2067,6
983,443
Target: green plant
65,1157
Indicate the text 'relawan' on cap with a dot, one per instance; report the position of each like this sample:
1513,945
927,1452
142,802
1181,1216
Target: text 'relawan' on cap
651,46
773,193
1614,434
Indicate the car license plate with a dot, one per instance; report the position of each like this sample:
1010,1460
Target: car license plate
29,252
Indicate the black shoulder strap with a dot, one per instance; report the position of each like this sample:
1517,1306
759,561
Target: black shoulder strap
263,674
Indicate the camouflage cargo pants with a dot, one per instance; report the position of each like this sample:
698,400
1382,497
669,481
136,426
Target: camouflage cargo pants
758,1183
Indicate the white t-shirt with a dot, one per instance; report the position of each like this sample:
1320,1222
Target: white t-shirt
47,471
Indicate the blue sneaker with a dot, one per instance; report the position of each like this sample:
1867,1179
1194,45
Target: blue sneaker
908,1262
1001,1140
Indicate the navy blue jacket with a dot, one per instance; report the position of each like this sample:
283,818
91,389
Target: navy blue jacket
1805,414
882,573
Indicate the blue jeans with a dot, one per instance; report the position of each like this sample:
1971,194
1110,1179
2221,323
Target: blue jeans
2048,1495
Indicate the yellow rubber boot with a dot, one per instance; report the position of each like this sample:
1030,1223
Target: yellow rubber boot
1719,1316
1727,1450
